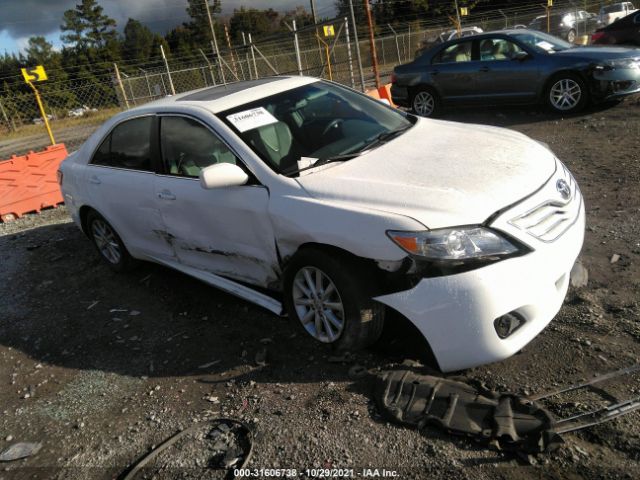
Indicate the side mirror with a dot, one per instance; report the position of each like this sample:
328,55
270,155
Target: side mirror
221,175
520,56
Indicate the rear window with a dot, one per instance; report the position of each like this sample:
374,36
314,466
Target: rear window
612,8
127,146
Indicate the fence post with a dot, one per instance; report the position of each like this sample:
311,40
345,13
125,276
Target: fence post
246,56
124,94
355,36
213,78
346,32
253,56
166,64
297,47
10,125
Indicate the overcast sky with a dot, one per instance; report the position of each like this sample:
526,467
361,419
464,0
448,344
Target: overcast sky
21,19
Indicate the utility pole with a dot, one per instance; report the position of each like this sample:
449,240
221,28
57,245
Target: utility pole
355,35
315,22
215,42
372,41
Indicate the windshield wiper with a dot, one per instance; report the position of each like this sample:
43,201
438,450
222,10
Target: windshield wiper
379,139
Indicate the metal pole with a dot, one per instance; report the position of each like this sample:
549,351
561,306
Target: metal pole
346,31
43,113
297,47
146,77
315,22
233,61
216,50
213,77
166,64
355,36
124,95
253,56
246,57
372,42
395,35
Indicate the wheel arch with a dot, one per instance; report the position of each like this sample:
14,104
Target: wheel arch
565,71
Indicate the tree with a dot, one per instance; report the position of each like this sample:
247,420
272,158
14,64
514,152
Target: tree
39,51
199,25
138,41
87,27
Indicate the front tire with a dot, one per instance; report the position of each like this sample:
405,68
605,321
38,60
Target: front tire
425,102
566,93
108,243
571,36
330,297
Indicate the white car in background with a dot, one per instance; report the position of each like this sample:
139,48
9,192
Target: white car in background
610,13
310,198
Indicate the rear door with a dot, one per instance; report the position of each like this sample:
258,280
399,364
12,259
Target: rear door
226,231
119,181
502,76
454,72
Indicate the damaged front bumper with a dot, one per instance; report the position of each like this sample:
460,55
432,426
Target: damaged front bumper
616,82
460,314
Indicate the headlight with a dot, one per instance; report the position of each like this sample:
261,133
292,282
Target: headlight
461,243
633,63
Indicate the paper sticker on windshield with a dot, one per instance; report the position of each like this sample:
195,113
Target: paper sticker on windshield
250,119
546,45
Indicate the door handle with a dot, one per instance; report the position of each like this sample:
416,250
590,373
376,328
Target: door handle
95,180
484,69
166,195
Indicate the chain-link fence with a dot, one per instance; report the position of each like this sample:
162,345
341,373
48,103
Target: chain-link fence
76,111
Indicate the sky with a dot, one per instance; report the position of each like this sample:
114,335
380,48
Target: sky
21,19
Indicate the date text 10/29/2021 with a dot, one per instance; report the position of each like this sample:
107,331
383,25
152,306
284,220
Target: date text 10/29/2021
315,473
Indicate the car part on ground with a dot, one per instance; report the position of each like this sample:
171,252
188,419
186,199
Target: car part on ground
504,420
231,451
516,66
625,31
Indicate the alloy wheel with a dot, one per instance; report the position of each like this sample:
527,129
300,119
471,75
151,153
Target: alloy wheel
318,304
106,241
424,103
565,94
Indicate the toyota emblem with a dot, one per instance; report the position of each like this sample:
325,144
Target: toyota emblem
563,189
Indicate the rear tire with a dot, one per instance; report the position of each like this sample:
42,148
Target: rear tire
425,102
329,296
108,243
566,93
571,36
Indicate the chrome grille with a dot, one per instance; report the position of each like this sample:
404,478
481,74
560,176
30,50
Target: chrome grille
550,219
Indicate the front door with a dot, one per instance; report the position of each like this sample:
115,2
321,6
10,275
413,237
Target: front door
454,71
226,231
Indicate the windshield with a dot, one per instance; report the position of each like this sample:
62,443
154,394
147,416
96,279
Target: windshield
542,41
296,128
612,8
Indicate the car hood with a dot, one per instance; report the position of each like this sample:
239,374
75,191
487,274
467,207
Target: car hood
439,173
600,53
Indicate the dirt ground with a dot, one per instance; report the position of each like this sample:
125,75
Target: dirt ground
101,367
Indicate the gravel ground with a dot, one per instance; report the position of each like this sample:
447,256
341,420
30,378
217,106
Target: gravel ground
101,367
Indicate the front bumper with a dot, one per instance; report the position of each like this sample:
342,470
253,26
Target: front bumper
456,313
617,82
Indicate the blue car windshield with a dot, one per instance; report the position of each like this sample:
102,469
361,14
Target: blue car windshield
542,42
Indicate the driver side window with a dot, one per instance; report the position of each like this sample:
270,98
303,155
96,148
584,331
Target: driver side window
188,147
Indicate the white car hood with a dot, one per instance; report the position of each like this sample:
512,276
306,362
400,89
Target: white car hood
439,173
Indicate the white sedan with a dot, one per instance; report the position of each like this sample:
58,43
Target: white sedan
312,199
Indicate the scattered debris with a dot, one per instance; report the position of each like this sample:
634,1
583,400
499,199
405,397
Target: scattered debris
210,364
96,302
232,447
19,450
134,313
357,371
614,258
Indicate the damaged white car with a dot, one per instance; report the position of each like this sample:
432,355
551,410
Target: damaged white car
310,198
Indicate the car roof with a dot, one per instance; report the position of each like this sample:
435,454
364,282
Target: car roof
223,97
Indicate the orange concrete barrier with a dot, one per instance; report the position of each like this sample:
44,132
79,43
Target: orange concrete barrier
29,183
382,93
